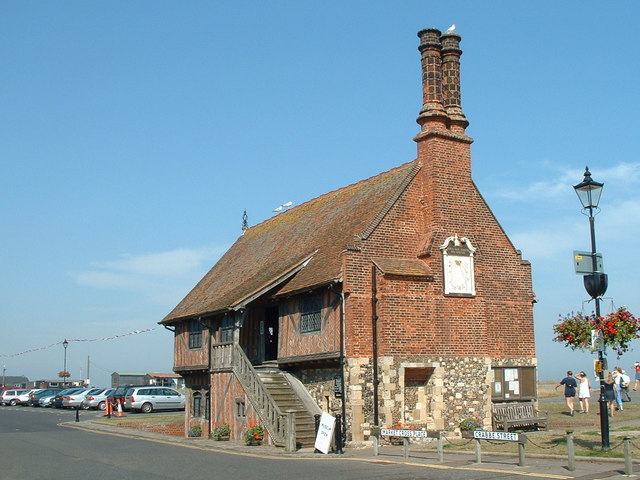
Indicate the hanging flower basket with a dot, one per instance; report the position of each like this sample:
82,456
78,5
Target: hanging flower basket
617,330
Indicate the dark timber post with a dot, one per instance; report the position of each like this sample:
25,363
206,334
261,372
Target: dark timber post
374,320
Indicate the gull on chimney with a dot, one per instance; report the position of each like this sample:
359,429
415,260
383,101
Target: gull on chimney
451,28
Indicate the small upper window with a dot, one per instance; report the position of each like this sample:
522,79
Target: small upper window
311,315
226,330
195,334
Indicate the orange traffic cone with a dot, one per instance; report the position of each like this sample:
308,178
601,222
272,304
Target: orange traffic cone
120,412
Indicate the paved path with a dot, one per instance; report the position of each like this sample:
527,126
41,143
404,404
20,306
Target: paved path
455,465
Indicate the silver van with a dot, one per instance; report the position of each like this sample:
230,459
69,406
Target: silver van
148,399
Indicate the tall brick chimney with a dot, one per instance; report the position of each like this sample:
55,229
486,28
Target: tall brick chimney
432,112
451,81
444,149
441,99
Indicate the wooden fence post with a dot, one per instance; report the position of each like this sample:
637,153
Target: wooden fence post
571,451
522,440
628,461
478,451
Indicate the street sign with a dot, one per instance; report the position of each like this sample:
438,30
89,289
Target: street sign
583,262
501,436
403,432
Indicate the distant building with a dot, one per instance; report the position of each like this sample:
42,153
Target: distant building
165,379
122,378
57,383
15,381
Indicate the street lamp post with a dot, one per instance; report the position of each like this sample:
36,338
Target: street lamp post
589,192
65,344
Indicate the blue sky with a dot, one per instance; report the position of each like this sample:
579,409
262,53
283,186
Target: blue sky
134,134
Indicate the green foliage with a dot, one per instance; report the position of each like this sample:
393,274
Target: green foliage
617,330
471,423
220,430
254,433
195,431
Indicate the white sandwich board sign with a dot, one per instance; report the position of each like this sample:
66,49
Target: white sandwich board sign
325,432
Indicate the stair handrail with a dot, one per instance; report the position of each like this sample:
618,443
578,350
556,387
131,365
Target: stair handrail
261,399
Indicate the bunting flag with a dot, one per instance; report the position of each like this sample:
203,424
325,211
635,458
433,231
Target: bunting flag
102,339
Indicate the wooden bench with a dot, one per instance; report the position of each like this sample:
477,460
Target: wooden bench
517,415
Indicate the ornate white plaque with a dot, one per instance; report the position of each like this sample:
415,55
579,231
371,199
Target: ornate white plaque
457,257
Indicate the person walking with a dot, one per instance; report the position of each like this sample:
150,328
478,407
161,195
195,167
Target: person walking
617,387
584,392
570,385
609,393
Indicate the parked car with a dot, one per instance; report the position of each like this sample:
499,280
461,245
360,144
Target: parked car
75,399
97,400
57,400
119,393
47,400
23,398
34,398
147,399
9,397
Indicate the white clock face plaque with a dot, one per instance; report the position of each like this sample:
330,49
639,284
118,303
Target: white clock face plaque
457,257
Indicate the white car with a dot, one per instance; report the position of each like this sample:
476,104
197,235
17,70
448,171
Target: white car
76,399
23,398
10,396
97,400
148,399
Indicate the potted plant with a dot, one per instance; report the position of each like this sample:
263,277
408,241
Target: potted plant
195,431
398,440
468,425
254,434
221,431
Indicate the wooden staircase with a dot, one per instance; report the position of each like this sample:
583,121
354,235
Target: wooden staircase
286,398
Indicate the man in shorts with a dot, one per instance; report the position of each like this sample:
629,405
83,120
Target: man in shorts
570,385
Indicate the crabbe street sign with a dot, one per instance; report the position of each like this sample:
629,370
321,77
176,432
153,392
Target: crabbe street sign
502,436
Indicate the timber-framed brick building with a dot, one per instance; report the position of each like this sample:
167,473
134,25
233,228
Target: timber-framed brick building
396,299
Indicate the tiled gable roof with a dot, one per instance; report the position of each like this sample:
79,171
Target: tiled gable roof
297,249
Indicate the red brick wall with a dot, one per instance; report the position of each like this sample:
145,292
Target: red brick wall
415,317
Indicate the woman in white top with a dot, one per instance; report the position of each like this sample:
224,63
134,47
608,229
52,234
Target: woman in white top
584,393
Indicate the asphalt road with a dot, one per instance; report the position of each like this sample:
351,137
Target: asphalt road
33,445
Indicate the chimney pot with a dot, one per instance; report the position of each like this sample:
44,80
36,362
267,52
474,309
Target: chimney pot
451,80
432,107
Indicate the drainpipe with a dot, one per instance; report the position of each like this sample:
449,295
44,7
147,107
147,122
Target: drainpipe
341,360
374,324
